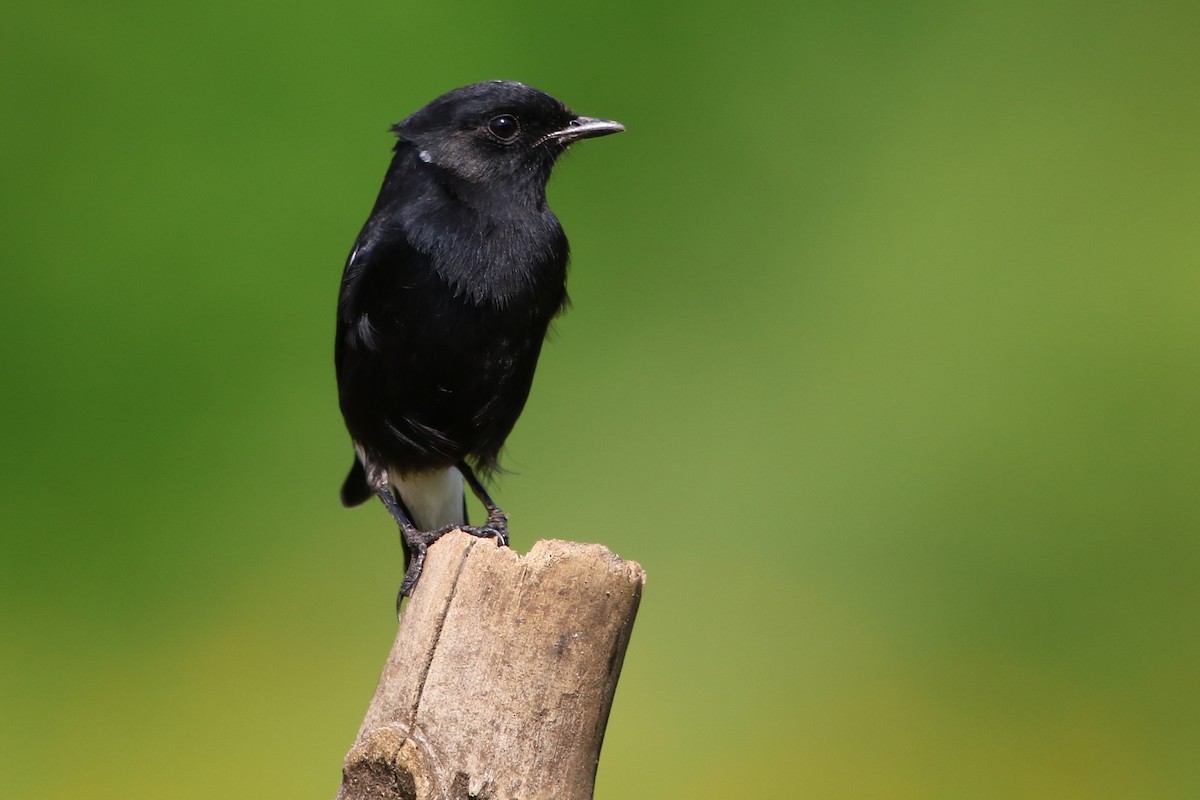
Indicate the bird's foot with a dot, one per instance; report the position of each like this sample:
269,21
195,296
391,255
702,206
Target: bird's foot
419,542
496,527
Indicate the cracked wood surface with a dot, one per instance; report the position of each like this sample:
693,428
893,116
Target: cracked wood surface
501,677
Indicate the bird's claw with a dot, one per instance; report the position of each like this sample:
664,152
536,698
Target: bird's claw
413,573
496,528
419,542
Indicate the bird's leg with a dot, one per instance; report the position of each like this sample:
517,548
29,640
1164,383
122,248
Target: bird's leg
497,521
416,542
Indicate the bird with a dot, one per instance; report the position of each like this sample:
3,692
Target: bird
444,304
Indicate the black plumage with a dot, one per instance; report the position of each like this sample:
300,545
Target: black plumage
445,302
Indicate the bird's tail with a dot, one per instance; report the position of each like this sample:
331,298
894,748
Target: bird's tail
355,489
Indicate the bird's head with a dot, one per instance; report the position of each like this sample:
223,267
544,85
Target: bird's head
497,133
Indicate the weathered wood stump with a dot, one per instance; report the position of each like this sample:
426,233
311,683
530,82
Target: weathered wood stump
501,677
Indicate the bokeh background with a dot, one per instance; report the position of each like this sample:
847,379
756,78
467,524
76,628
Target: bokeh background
884,362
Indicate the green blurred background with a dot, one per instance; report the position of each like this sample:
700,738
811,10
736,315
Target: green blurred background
883,363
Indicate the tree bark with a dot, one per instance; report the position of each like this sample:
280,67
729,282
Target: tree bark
501,677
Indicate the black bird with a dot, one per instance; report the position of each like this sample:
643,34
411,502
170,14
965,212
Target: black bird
445,301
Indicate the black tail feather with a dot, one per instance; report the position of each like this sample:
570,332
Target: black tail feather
355,490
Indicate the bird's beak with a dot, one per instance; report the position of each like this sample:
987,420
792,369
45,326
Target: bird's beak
584,128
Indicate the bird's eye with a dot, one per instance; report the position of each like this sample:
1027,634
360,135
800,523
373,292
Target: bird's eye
504,127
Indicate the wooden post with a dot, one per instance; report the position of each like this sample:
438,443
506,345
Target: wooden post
501,678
